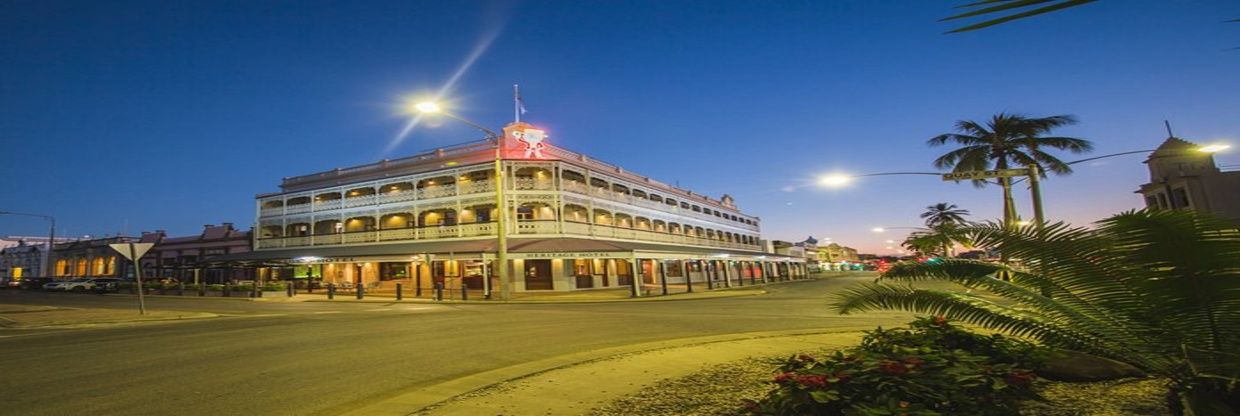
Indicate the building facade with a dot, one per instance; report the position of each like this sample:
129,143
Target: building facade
180,258
837,257
91,258
1181,177
22,261
573,223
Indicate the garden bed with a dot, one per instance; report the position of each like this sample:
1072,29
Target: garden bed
721,390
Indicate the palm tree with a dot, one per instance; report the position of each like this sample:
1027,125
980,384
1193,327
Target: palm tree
1159,290
1007,141
937,239
944,213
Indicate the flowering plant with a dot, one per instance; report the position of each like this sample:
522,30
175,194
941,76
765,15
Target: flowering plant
930,369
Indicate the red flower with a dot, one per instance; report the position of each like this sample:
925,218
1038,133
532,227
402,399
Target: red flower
892,368
812,381
1019,378
914,361
805,357
780,378
940,320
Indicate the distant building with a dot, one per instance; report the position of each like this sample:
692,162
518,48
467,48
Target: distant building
22,261
810,247
91,258
1181,177
835,257
16,240
180,257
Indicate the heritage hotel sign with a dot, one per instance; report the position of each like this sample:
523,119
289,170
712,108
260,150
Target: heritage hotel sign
571,254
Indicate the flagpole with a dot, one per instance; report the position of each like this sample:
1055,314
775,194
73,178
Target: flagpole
516,102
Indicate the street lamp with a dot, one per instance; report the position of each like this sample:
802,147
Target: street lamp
500,205
837,180
51,239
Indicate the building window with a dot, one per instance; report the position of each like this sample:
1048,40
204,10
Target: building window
1151,202
581,267
674,268
1162,201
1180,195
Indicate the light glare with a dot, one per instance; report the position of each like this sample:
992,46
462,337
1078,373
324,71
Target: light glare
834,180
427,107
1214,148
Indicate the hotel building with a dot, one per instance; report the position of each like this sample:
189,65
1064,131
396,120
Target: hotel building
573,222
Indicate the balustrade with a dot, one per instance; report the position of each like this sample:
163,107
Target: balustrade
297,208
328,239
438,191
296,241
398,234
476,187
398,196
359,236
326,205
271,212
358,201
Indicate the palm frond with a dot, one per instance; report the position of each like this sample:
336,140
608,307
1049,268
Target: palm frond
1012,4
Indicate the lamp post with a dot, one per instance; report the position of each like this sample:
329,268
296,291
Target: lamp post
505,289
51,239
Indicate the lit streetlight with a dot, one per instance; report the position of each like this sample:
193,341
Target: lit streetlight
505,289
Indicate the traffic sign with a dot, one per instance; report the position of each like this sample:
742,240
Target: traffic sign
984,174
138,249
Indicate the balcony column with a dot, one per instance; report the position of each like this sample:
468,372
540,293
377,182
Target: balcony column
705,266
636,280
723,265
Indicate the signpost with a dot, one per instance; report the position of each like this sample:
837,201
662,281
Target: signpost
133,252
1032,172
983,174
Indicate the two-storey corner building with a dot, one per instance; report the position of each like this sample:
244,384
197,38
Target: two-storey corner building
573,223
178,258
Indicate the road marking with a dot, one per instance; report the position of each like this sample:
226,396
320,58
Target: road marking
323,312
380,310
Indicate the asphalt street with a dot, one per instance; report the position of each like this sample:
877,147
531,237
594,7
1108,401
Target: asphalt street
326,358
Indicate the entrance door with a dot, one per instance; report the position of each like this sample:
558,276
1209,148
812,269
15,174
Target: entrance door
538,275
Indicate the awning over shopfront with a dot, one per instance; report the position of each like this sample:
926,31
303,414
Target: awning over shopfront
517,246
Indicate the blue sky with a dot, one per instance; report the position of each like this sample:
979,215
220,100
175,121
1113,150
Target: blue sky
133,116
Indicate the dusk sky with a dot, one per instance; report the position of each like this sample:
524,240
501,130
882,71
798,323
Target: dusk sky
135,116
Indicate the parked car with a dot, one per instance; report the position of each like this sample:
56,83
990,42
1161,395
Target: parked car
106,285
64,285
33,283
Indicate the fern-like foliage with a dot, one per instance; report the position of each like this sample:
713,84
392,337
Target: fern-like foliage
1019,9
1143,287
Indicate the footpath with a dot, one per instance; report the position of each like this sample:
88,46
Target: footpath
33,316
575,384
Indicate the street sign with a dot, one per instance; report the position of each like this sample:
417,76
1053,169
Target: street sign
138,249
984,174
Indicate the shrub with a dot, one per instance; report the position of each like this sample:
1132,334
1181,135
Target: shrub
275,286
930,369
215,288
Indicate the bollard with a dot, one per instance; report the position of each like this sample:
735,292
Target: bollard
438,291
180,289
227,290
361,291
399,295
464,291
288,289
331,291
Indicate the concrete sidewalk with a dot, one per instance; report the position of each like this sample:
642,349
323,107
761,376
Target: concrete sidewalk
30,316
575,383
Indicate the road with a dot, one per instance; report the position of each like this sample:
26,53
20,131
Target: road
321,358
